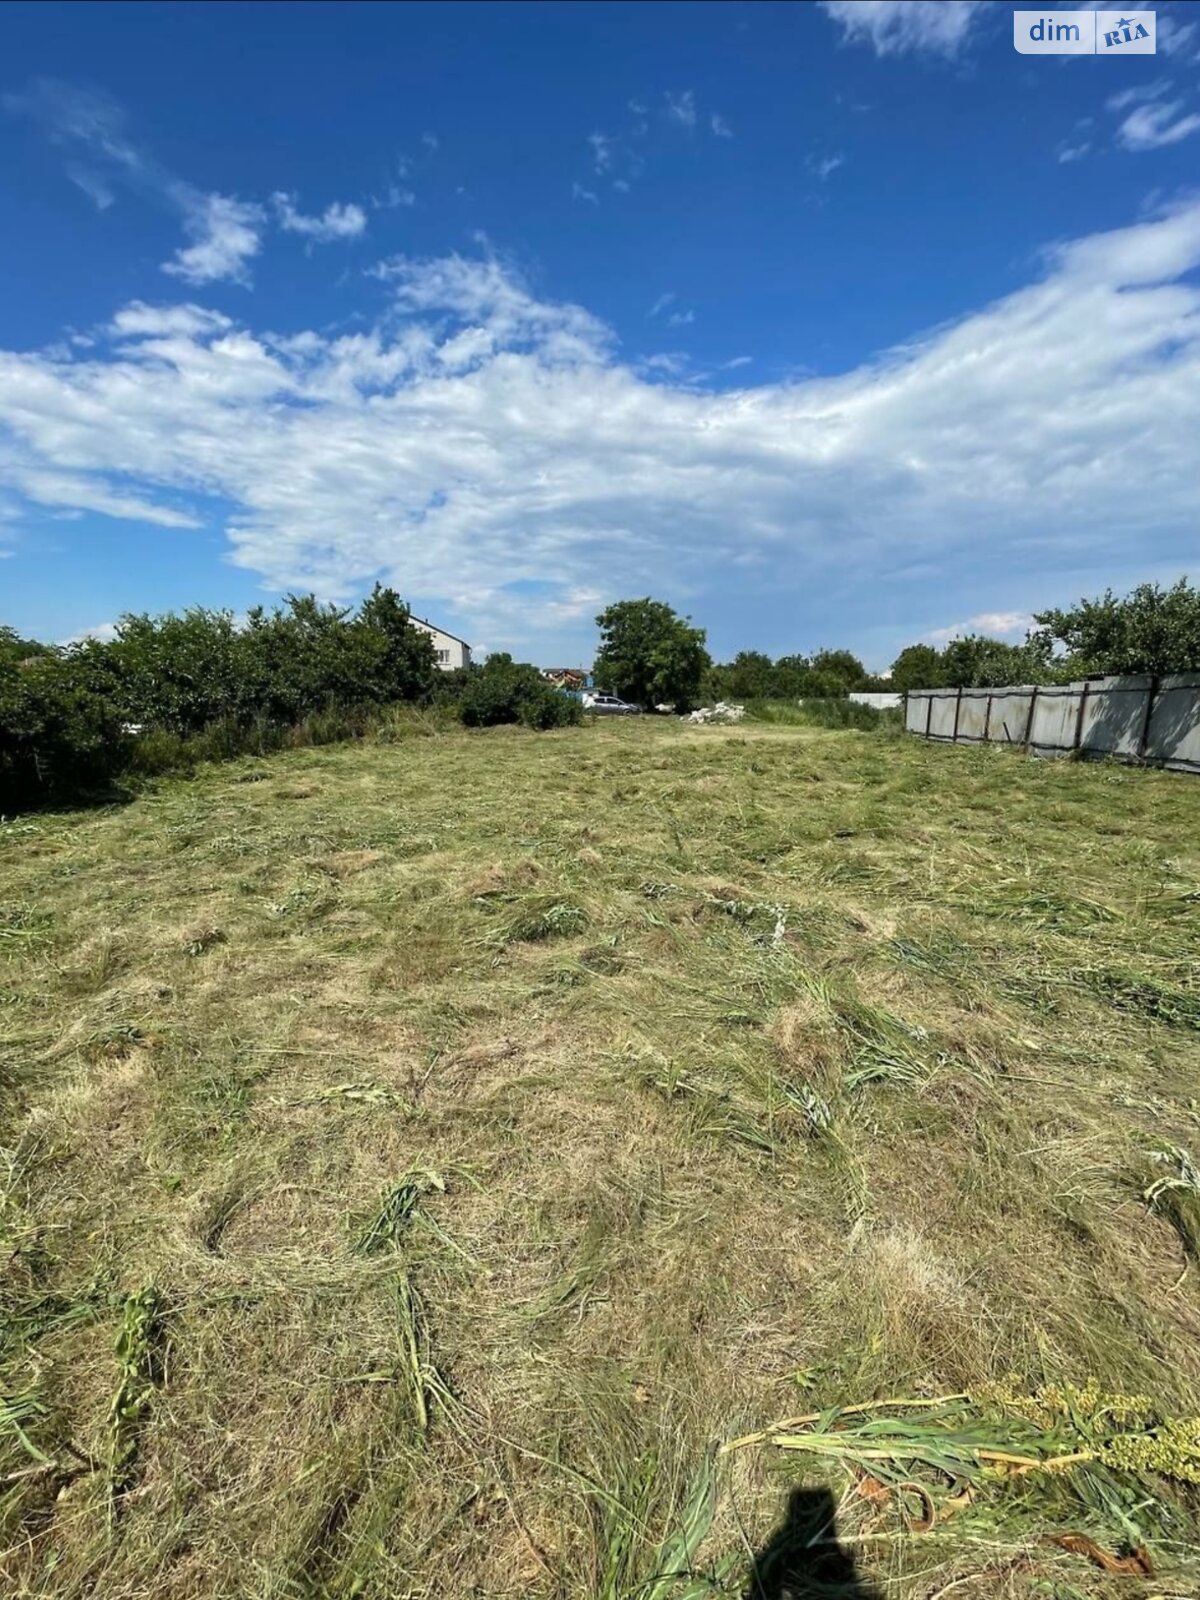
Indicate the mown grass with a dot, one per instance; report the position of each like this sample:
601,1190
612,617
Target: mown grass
418,1160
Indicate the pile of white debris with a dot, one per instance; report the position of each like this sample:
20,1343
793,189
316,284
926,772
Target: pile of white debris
721,712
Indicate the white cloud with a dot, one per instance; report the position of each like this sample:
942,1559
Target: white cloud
1137,93
823,167
103,633
430,141
681,108
85,122
83,492
1149,127
394,195
681,319
1073,152
339,220
578,192
90,127
93,185
1007,625
664,300
720,126
1175,38
602,151
896,27
226,234
483,435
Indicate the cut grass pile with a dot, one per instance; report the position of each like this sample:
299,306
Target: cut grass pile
430,1169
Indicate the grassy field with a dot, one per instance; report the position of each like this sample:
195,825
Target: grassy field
420,1159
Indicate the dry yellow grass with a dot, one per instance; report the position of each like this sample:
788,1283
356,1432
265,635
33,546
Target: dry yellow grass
742,1066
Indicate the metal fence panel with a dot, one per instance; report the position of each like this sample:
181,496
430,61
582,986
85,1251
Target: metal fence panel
1055,715
1009,721
1131,718
1173,734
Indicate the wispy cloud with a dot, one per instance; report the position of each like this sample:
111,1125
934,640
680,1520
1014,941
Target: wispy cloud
578,192
226,234
681,108
900,27
602,151
1149,127
1137,93
90,127
471,409
681,319
995,624
664,300
1073,152
720,126
103,633
1175,38
339,220
823,167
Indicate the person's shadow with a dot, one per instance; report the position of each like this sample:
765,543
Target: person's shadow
803,1560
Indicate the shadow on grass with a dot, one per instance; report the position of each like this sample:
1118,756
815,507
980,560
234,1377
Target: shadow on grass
803,1559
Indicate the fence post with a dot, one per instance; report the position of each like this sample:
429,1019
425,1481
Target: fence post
1029,718
1144,736
1083,700
987,721
928,712
957,709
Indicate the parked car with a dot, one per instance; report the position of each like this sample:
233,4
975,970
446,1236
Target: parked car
609,705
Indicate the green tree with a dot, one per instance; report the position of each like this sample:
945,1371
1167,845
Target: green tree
59,740
1150,630
976,662
504,690
789,678
840,664
751,676
918,666
14,648
649,655
407,667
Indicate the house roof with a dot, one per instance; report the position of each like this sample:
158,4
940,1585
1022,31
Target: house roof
445,632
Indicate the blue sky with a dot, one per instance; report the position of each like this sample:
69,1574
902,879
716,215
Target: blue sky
834,324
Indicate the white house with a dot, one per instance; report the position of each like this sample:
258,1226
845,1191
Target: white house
450,652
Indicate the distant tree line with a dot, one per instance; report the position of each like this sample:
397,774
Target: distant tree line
201,685
169,689
1150,630
652,657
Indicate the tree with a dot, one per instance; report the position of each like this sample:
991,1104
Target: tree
840,664
408,668
976,662
751,676
790,677
504,690
918,666
1150,630
649,655
14,648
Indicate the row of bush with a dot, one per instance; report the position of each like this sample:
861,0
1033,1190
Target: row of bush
166,692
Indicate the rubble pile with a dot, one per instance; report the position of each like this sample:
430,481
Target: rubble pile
721,712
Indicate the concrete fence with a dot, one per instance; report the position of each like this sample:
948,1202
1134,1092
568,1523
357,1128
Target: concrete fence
1148,719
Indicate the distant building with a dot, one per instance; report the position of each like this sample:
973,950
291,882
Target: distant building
881,702
573,679
449,651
